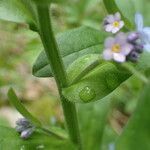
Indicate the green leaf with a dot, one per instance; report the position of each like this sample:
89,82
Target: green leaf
18,105
92,118
143,64
97,84
72,44
10,140
93,82
17,11
136,134
82,66
46,2
114,6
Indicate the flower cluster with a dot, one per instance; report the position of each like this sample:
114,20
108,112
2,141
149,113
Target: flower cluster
125,46
25,128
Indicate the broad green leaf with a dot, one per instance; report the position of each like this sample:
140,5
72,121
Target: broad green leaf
96,84
82,66
91,84
72,44
10,140
114,6
92,118
17,11
18,105
136,134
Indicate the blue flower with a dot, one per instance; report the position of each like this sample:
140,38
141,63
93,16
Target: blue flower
143,31
113,23
117,48
24,127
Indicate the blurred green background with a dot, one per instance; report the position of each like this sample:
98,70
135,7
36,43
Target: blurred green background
19,48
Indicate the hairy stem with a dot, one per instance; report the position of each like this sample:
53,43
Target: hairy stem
55,61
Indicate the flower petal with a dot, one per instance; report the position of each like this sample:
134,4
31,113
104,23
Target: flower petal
108,28
107,54
109,42
121,38
115,30
110,18
146,32
117,16
139,21
147,47
119,57
121,24
126,49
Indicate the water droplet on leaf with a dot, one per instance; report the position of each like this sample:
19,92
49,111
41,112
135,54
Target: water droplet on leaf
87,94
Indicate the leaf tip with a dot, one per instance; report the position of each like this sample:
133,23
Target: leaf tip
10,92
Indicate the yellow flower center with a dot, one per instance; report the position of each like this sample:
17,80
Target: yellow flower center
116,48
116,24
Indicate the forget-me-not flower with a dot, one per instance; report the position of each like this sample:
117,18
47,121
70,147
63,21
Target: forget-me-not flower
143,31
113,23
24,127
117,48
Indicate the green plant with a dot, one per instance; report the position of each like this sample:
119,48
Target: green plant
82,76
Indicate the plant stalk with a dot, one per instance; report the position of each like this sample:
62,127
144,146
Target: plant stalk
52,52
138,74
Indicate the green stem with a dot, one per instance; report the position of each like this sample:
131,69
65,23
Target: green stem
138,74
55,61
50,132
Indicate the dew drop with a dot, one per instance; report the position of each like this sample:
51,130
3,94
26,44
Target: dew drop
87,94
